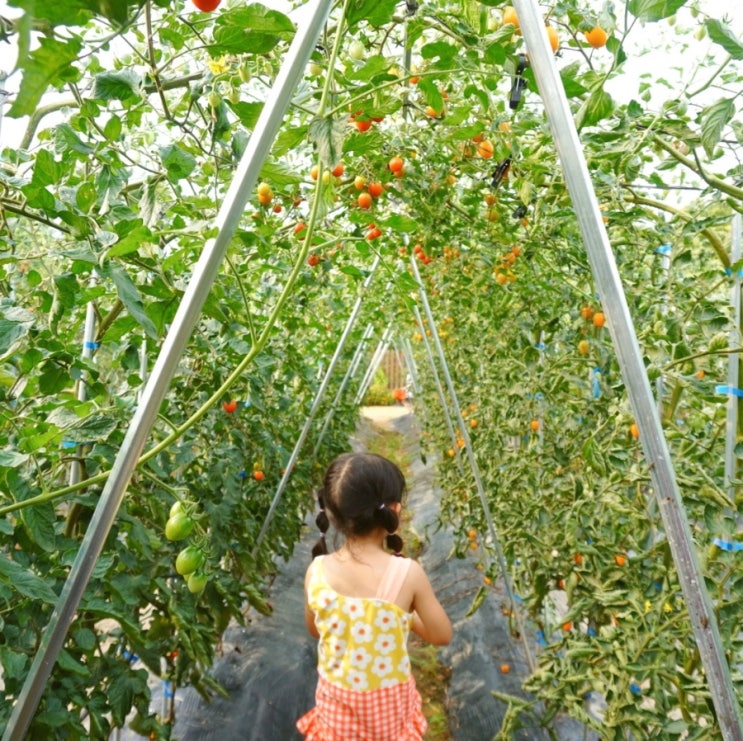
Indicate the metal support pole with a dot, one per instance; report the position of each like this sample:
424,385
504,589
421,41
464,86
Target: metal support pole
731,437
621,328
500,557
350,373
407,354
313,411
373,365
439,387
204,273
142,366
87,353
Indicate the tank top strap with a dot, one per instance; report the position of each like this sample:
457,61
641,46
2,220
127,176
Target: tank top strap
393,579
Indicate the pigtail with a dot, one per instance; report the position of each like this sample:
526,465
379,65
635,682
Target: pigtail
394,543
321,548
390,521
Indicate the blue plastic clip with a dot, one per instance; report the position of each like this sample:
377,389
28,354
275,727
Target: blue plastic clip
91,345
130,657
635,689
67,444
596,386
729,390
726,545
540,345
664,249
242,475
168,688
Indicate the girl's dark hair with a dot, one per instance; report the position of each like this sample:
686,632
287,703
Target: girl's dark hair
356,491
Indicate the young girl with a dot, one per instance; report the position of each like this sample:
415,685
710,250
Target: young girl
361,602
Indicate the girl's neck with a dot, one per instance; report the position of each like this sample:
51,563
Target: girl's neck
362,546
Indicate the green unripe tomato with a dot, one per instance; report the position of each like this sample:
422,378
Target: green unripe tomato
197,581
356,50
179,526
190,559
214,99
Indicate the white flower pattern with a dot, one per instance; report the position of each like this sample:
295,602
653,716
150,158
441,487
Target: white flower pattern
353,607
357,680
364,641
361,632
382,666
336,626
385,643
360,658
385,619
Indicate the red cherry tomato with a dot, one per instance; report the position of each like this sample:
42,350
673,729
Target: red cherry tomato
206,6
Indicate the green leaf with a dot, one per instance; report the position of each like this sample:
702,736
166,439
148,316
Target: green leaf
69,664
68,13
67,140
440,50
130,297
122,85
327,134
12,459
14,663
131,240
280,175
122,690
248,113
654,10
568,75
723,35
431,93
24,581
495,54
373,67
400,223
714,120
375,12
477,602
94,428
49,64
39,521
254,30
597,106
179,164
46,170
10,332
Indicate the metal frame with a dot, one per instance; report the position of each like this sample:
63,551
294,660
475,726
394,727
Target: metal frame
350,373
629,356
500,557
204,274
313,411
731,438
439,387
374,364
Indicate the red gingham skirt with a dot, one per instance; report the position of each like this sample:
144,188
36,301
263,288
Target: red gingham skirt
387,714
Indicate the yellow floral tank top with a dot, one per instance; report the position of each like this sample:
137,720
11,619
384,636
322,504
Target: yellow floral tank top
363,640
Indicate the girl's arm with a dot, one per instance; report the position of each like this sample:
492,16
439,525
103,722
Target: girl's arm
309,616
430,621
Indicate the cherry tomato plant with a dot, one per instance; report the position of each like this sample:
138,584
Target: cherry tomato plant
442,156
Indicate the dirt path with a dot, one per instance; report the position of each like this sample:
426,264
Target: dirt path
269,670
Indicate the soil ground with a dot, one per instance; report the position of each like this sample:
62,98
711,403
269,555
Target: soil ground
268,667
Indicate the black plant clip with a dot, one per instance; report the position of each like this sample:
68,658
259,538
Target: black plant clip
519,83
500,173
